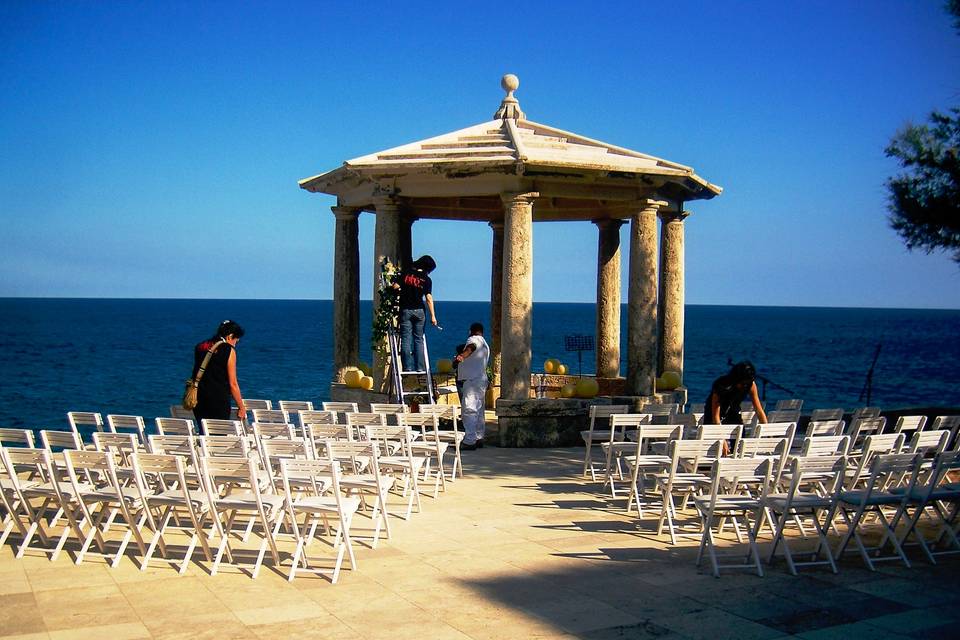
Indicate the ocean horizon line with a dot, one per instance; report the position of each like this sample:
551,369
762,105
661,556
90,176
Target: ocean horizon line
551,302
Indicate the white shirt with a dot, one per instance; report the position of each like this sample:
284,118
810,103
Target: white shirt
474,366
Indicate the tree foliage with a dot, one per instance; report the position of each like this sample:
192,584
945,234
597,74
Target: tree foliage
925,198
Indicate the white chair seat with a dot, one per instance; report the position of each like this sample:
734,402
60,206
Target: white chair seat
597,435
877,497
366,481
726,502
801,499
320,504
248,500
174,497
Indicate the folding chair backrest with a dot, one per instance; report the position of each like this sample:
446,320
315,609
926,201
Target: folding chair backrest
443,411
120,445
321,471
388,408
276,416
427,424
694,449
317,433
874,446
789,404
18,460
622,422
96,464
731,469
176,427
910,423
354,456
818,415
212,427
357,420
252,404
865,412
784,415
748,417
296,406
826,446
85,422
316,417
17,438
928,443
229,470
128,424
385,435
341,408
951,424
945,465
828,471
720,431
177,411
890,469
275,450
862,428
661,408
267,430
158,470
776,430
817,428
54,440
767,447
183,446
224,446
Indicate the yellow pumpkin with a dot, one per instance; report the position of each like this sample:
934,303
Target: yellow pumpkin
366,382
587,388
669,380
550,365
561,369
444,366
351,377
568,390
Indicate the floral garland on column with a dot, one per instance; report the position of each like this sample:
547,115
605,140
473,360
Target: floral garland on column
388,310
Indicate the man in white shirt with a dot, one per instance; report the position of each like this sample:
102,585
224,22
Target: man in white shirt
472,371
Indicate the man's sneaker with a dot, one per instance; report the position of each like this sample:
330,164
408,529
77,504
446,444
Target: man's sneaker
467,447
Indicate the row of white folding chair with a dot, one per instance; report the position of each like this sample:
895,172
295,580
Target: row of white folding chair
95,495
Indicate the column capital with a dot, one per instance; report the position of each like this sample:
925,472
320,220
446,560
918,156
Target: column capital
648,204
672,216
385,202
608,222
345,213
519,196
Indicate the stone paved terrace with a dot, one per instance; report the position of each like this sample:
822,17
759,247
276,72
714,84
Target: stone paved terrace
520,548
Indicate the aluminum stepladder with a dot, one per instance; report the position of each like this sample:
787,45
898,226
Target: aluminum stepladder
398,375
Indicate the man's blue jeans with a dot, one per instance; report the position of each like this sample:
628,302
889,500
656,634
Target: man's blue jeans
411,339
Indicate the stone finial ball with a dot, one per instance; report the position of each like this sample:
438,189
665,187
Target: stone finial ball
510,82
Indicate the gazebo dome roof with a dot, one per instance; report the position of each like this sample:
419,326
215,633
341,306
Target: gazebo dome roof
580,175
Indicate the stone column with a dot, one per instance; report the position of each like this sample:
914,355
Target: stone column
386,246
496,302
346,291
642,300
516,326
671,309
608,298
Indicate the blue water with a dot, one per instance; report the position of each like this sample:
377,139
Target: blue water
131,356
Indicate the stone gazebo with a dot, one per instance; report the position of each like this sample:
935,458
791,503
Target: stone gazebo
511,172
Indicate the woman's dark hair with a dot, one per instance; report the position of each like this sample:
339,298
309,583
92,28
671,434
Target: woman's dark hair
743,372
425,263
229,327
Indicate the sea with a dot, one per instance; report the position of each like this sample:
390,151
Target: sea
131,356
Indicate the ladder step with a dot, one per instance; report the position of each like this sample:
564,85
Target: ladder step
413,373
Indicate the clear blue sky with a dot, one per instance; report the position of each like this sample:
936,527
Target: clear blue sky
152,149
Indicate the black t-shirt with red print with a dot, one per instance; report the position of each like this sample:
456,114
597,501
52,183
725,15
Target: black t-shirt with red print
414,285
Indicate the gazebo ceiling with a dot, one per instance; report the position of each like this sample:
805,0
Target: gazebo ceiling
460,175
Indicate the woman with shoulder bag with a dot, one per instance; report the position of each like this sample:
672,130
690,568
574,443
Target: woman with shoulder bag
218,380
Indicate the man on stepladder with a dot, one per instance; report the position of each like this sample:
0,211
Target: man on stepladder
472,371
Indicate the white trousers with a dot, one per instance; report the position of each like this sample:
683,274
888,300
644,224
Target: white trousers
474,395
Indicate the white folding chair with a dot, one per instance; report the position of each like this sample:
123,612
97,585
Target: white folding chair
821,415
933,497
725,502
267,430
789,404
729,433
214,427
873,446
233,491
388,409
949,423
359,463
909,424
252,404
398,458
175,427
273,451
861,428
224,446
817,428
341,408
595,434
19,513
357,420
274,416
177,411
85,421
644,462
783,415
884,470
166,494
622,425
314,507
824,472
101,503
683,484
826,446
296,406
17,438
128,424
453,435
777,430
428,445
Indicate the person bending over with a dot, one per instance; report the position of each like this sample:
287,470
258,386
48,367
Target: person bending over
472,371
726,394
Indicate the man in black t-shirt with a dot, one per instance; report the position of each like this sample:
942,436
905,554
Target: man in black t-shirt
415,289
